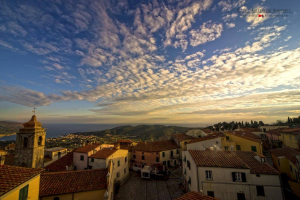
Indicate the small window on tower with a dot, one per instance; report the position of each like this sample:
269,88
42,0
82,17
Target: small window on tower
40,141
25,142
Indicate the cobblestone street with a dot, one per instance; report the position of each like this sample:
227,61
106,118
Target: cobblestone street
136,188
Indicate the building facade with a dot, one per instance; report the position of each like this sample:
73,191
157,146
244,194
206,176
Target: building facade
30,144
212,142
80,155
229,175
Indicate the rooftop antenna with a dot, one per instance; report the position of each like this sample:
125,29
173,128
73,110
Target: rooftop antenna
34,110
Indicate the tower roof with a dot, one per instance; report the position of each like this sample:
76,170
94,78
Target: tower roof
33,122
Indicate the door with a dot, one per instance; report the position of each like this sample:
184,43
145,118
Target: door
241,196
168,163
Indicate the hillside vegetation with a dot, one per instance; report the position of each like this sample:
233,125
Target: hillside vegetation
144,132
9,128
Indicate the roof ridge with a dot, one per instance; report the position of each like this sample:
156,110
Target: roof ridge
77,171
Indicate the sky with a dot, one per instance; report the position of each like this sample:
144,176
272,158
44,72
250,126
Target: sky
167,62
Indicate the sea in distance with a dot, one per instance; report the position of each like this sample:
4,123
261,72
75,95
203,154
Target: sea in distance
57,130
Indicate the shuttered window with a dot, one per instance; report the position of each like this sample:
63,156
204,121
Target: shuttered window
239,177
23,193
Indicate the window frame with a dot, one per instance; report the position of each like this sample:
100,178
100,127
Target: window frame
238,176
253,147
212,193
261,191
92,160
238,149
163,154
82,157
119,163
23,192
188,164
208,175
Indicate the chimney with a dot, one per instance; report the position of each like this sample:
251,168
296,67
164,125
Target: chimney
260,158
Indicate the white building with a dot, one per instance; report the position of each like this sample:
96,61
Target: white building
229,175
212,142
198,132
80,156
119,159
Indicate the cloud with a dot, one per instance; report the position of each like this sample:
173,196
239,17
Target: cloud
207,32
5,44
227,5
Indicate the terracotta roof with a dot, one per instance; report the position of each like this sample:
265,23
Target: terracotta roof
60,164
87,148
208,137
231,159
289,130
256,167
195,196
206,130
156,146
127,147
245,134
56,183
103,153
181,137
11,177
12,145
289,153
227,159
274,131
251,129
125,141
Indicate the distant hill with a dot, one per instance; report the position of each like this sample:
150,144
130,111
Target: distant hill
8,128
144,132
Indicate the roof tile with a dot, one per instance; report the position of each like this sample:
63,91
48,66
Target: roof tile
195,196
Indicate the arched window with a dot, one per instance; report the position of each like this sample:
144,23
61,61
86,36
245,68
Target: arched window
56,198
40,141
25,142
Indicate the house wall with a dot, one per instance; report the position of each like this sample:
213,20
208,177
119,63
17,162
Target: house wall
189,172
214,144
82,164
272,136
91,195
53,154
283,167
196,133
289,140
294,173
167,156
244,143
225,188
33,190
149,158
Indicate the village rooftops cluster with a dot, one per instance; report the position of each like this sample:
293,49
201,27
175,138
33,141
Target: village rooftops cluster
231,159
11,177
104,153
156,146
87,148
245,134
208,137
289,153
56,183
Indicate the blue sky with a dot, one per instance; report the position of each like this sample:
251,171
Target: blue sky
149,61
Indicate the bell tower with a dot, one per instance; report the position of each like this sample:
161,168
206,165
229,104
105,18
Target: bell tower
30,144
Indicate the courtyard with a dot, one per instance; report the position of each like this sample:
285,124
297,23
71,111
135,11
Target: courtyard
136,188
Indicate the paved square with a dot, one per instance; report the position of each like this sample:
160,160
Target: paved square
136,188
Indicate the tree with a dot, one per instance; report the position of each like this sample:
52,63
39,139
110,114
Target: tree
251,122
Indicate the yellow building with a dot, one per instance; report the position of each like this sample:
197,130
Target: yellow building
286,161
242,141
19,183
75,185
290,137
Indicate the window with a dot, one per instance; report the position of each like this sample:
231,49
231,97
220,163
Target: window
177,151
134,156
291,168
188,164
238,177
171,153
208,175
253,148
118,174
226,148
238,147
184,159
211,193
126,159
190,181
241,196
23,194
81,157
125,171
260,190
56,198
157,159
119,163
92,159
143,157
227,138
40,141
164,163
25,142
163,154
